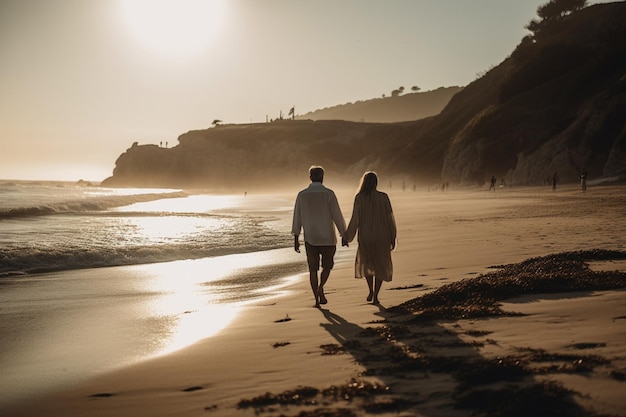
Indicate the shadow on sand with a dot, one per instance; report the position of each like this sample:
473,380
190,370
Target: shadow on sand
416,360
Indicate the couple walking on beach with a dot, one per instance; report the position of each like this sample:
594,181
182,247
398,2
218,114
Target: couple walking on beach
317,212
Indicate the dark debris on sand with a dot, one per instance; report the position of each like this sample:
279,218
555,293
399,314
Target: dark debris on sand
353,389
325,412
101,395
333,349
298,396
547,399
373,397
408,346
479,296
406,287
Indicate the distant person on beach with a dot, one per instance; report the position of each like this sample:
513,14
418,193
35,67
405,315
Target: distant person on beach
555,179
583,180
493,184
372,218
317,212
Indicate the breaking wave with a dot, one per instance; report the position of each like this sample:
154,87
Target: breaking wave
92,204
18,261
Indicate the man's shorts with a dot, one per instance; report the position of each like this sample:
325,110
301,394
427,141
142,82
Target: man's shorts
313,254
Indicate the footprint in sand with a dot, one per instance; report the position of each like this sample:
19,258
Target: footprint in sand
192,389
101,395
287,318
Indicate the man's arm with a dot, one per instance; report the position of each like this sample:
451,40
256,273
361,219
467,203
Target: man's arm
296,225
335,212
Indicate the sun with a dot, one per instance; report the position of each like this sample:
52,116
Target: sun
174,28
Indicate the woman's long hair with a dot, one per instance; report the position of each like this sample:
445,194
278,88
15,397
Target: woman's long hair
368,183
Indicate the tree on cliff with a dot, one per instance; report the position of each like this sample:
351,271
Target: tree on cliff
552,11
396,93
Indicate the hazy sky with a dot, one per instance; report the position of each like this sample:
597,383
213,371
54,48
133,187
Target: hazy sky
80,80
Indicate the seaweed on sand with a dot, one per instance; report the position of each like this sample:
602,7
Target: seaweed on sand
545,399
406,347
354,388
326,412
479,296
298,396
562,363
308,396
332,349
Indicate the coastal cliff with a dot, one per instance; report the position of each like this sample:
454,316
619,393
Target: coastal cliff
261,155
556,104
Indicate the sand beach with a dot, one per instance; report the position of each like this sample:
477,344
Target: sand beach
558,352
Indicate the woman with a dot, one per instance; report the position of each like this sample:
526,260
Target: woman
372,217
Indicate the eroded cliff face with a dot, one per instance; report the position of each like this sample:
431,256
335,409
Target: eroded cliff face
561,107
557,104
527,144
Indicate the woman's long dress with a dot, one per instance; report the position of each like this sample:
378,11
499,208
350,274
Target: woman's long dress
372,218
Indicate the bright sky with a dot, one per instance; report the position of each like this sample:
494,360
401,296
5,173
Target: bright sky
80,80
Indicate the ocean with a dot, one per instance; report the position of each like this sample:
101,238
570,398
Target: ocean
93,279
57,227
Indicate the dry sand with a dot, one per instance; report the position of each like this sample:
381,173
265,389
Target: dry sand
443,238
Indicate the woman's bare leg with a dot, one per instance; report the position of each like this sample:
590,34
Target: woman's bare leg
377,285
370,285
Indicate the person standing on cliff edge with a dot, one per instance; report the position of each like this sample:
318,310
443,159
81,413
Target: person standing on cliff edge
317,212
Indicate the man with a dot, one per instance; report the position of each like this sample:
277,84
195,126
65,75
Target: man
317,212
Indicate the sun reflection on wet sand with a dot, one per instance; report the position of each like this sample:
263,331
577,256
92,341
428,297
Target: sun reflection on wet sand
76,324
193,326
182,304
189,303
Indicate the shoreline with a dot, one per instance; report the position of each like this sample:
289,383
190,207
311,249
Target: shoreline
86,323
452,236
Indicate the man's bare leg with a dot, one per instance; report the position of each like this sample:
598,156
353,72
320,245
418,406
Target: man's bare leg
377,285
314,286
320,290
370,285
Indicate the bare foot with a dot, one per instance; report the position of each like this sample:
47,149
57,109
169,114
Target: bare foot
320,294
375,301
